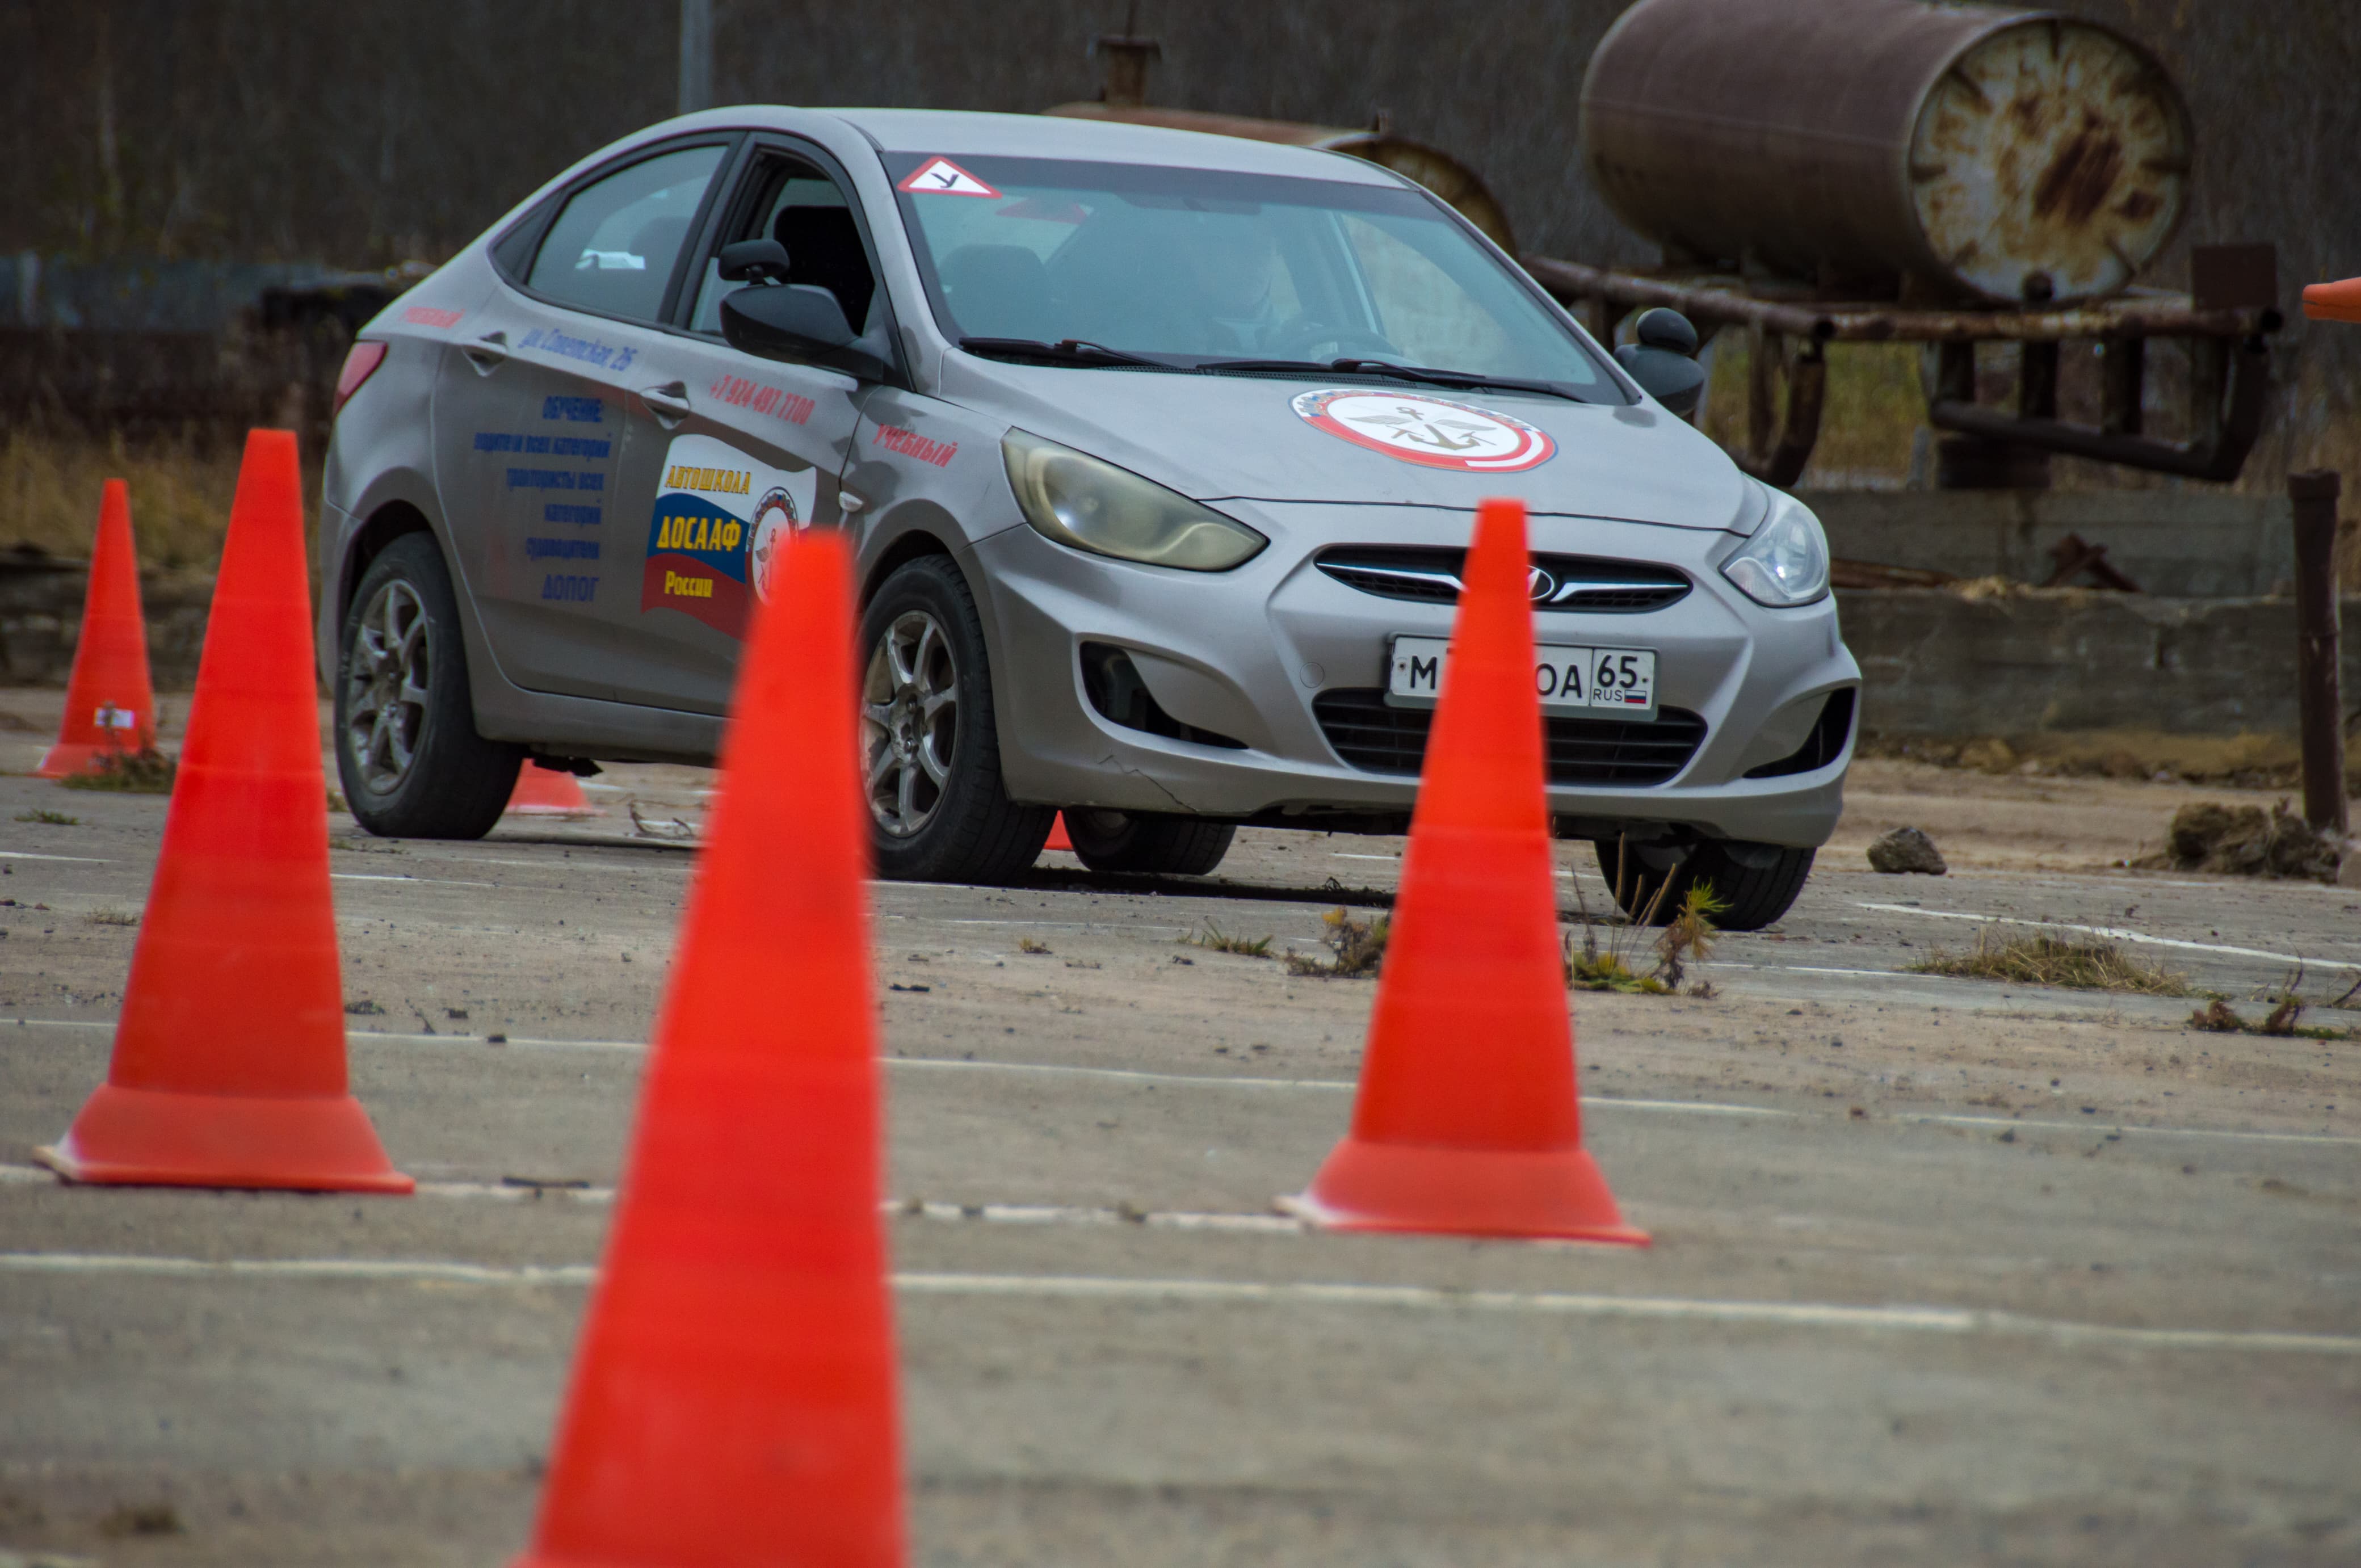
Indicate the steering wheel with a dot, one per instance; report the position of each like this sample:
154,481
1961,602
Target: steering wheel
1305,338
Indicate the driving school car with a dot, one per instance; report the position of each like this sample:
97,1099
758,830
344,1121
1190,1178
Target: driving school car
1160,452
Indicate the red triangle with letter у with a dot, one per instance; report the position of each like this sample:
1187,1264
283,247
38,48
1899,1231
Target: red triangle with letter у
941,177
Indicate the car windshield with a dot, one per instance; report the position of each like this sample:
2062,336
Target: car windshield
1191,268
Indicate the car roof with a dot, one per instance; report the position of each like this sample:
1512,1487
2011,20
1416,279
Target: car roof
1102,141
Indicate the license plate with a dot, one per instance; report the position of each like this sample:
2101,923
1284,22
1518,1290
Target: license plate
1569,680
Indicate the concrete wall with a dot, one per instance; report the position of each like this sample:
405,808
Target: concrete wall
40,617
1938,664
2186,544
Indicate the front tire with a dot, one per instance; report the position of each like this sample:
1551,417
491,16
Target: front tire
1155,842
938,809
407,750
1755,894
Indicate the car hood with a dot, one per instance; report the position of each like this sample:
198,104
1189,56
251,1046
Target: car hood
1221,437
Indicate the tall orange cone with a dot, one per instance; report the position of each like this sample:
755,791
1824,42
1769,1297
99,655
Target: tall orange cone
733,1393
109,704
1467,1121
546,792
229,1058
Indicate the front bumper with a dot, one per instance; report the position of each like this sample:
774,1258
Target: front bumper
1244,654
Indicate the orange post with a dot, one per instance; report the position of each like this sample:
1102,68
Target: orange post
109,704
1467,1121
2338,302
230,1061
733,1392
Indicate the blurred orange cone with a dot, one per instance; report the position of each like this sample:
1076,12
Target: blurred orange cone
109,705
230,1061
546,792
1467,1121
733,1393
2338,302
1058,839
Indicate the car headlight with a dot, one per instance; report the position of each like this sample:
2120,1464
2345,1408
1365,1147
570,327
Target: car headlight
1787,562
1077,500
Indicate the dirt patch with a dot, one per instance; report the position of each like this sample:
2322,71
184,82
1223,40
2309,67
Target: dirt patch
2244,841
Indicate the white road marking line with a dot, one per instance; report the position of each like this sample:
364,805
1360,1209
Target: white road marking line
2094,1125
2113,933
28,855
1212,1080
1229,1292
421,881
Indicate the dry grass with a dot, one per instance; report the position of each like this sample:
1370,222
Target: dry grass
1688,939
114,917
1214,939
1873,410
1026,944
2037,959
181,490
1356,948
54,819
144,771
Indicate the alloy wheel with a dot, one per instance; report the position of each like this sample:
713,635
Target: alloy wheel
909,722
387,686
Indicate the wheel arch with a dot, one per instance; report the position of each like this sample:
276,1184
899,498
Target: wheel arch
392,520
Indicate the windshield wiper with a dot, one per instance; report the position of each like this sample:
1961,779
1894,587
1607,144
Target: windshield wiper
1067,351
1352,366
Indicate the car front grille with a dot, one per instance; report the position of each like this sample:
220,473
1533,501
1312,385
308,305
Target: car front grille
1376,739
1429,575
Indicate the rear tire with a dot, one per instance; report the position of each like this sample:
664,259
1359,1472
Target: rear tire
938,809
1756,896
1149,841
407,751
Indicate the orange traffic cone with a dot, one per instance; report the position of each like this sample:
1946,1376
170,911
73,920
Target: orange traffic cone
230,1061
733,1393
2337,302
109,705
1058,839
1467,1121
546,792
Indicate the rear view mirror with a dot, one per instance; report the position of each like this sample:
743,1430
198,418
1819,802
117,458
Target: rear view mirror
752,261
798,321
1663,360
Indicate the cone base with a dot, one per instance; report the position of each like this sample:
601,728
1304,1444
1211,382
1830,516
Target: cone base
1557,1194
149,1137
70,757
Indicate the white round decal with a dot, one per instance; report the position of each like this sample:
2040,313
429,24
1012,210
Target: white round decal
1431,431
776,525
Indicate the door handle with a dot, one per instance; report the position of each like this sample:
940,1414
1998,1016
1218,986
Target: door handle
487,353
668,403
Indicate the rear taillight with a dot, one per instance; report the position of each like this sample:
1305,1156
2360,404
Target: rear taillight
359,365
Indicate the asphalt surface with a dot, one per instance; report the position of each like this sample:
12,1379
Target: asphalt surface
1945,1270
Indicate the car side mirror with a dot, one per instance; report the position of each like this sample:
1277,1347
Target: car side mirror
801,322
754,261
1662,359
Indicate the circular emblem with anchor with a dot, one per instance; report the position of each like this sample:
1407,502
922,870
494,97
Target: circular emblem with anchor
1430,432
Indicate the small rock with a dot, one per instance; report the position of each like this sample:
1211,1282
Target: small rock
1907,849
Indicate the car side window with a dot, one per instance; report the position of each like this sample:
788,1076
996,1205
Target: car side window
614,245
806,212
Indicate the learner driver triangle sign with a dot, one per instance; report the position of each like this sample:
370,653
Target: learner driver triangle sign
941,177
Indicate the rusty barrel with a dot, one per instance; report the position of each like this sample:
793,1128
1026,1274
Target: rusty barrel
1867,146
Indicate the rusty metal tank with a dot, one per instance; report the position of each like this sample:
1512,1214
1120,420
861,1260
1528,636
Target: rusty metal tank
1941,150
1437,171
